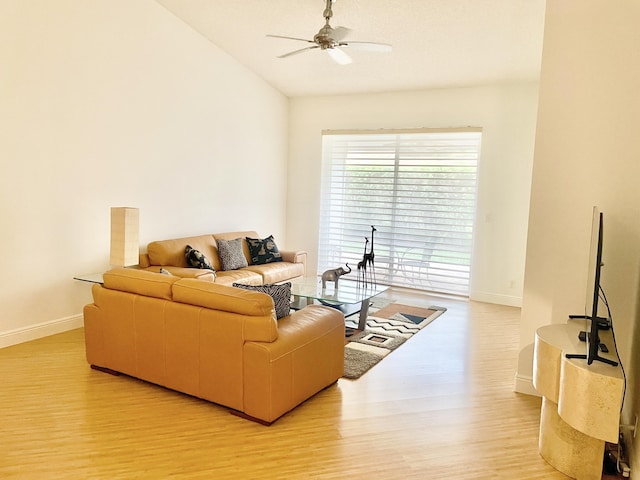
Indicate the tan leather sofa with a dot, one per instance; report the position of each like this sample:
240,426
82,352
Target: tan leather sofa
169,254
215,342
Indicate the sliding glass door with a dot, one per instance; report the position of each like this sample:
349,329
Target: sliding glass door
410,196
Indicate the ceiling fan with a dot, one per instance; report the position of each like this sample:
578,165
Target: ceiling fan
332,41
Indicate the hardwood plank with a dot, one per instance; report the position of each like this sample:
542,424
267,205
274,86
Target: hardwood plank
441,406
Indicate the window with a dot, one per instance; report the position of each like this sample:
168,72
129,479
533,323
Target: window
418,188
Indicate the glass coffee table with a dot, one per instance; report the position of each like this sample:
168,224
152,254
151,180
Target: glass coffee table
350,297
90,278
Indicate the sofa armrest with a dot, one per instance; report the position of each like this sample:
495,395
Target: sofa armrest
295,257
143,260
307,357
93,335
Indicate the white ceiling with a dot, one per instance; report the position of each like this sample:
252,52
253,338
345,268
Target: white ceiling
436,43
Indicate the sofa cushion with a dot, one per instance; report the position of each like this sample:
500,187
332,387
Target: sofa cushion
254,309
263,250
185,272
244,275
281,295
231,254
220,297
171,252
196,258
276,272
141,282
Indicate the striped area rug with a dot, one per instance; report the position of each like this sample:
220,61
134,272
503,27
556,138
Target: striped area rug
387,328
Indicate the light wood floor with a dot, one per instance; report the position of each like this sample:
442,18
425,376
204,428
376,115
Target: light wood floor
442,406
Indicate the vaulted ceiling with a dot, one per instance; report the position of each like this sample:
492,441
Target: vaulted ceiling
436,43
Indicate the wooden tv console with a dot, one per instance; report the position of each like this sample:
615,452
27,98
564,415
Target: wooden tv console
580,403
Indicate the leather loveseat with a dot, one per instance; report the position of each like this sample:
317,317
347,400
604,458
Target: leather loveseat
169,255
215,342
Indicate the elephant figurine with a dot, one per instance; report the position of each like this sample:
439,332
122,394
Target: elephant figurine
334,275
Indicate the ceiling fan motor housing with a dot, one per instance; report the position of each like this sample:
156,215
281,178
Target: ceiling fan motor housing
324,37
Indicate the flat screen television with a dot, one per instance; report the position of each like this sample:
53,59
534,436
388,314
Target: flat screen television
592,302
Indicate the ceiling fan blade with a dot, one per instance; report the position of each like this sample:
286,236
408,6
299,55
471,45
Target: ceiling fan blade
339,56
295,52
291,38
367,46
340,33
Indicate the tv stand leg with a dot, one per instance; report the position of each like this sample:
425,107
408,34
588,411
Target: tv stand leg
613,363
597,358
575,355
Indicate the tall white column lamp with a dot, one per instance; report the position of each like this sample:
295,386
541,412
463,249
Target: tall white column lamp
125,246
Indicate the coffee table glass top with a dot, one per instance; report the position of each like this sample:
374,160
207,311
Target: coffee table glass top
348,292
90,277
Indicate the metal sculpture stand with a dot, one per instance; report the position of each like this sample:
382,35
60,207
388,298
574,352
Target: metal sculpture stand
362,264
368,260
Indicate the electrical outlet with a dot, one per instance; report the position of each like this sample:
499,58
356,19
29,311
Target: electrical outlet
629,429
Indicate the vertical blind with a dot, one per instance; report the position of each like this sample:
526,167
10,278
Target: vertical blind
417,188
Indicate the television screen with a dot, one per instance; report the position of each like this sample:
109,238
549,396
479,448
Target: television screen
595,262
592,300
593,286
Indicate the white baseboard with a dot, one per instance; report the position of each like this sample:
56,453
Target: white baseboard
524,384
33,332
499,299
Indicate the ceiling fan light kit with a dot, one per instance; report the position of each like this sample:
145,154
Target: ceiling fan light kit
332,41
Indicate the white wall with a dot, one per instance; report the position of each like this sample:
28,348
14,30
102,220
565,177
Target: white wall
113,103
587,153
507,115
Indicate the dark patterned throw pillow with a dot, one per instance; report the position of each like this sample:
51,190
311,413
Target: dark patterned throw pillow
231,254
196,258
263,250
281,294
